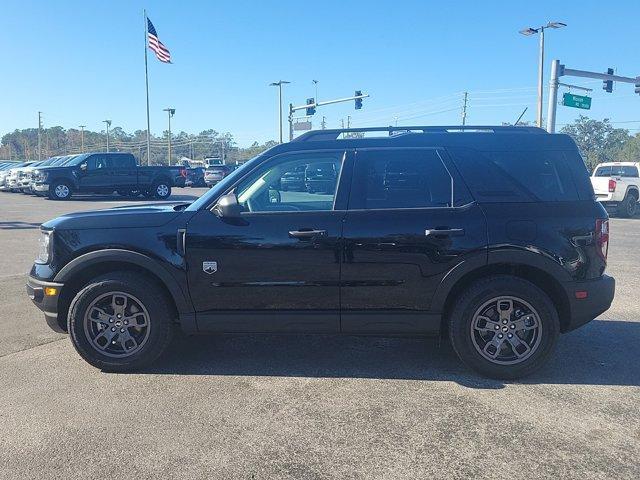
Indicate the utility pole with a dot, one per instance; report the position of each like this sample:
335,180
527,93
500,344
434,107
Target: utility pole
540,30
279,84
108,124
348,121
324,123
170,112
39,135
82,138
464,109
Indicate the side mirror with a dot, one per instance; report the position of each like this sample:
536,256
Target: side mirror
83,167
228,206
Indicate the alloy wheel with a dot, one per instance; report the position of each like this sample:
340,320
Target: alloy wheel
506,330
62,191
117,324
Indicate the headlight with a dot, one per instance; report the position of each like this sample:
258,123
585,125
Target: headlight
45,244
41,176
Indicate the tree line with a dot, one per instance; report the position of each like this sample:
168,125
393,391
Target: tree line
23,144
597,140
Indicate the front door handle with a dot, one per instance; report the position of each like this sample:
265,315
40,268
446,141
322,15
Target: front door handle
445,232
306,234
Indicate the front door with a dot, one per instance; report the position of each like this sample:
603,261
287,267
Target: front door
277,268
97,174
410,221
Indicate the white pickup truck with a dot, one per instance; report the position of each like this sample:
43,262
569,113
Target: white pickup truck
617,185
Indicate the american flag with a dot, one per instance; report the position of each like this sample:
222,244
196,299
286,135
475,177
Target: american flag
156,45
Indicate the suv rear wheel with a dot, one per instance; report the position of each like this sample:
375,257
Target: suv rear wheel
504,327
120,321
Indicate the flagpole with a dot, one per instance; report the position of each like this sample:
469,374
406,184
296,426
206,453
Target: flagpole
146,79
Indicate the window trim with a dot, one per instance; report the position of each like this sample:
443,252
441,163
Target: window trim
438,150
340,186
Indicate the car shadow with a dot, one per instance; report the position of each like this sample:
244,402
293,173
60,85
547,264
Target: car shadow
19,225
601,353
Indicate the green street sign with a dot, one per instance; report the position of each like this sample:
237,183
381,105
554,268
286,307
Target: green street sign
576,101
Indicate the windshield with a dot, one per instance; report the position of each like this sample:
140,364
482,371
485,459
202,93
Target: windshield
222,185
77,160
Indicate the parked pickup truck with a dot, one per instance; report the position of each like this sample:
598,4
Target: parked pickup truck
105,173
617,185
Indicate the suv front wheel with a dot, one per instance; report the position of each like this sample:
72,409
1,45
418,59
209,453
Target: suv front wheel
120,321
504,327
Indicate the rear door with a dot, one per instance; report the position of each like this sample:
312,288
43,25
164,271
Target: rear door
410,221
124,170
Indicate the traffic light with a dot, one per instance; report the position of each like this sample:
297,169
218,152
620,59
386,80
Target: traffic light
637,90
607,85
311,110
358,100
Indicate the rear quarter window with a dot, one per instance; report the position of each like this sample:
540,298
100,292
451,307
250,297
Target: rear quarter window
516,176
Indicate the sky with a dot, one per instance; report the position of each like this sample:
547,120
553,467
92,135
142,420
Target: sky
82,62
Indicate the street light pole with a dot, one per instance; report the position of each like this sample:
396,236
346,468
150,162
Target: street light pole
279,84
170,113
540,30
108,123
82,138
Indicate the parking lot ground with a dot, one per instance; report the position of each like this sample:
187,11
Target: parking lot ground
249,406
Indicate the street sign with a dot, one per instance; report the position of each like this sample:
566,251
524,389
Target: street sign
576,101
302,126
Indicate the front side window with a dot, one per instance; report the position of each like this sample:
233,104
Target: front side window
270,189
400,179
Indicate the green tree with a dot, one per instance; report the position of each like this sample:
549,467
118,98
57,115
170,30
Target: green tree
630,152
597,140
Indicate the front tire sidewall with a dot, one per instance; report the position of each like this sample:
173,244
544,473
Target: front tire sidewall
462,316
160,332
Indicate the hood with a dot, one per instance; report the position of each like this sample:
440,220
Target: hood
151,215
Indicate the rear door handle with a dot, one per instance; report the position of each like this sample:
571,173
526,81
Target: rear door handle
306,234
445,232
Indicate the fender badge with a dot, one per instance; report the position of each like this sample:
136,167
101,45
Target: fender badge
209,267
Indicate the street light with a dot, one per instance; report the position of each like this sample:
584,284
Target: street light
532,31
108,123
279,84
82,137
170,113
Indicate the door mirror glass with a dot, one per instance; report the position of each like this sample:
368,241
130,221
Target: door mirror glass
228,206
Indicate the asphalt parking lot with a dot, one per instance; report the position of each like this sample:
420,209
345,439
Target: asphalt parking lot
311,406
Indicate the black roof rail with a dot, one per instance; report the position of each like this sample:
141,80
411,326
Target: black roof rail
333,134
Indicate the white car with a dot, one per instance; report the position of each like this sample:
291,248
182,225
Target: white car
617,185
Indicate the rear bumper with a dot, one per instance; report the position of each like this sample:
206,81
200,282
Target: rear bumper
599,295
47,303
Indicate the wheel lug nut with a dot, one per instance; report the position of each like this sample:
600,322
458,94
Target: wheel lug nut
119,316
113,329
126,322
122,330
497,327
500,335
111,320
504,321
510,335
513,326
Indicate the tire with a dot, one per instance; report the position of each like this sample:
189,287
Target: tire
153,339
471,335
628,207
58,189
161,190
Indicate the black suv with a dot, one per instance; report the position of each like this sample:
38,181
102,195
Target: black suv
490,235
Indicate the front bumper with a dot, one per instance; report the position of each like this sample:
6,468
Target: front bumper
598,299
40,187
46,302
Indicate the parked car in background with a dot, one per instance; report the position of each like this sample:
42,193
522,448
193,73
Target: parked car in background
320,177
11,179
617,186
294,180
215,173
195,177
105,173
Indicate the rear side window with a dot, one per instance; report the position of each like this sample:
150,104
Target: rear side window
121,161
516,176
402,178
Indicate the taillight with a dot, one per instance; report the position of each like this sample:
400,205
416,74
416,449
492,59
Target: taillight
612,185
602,238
